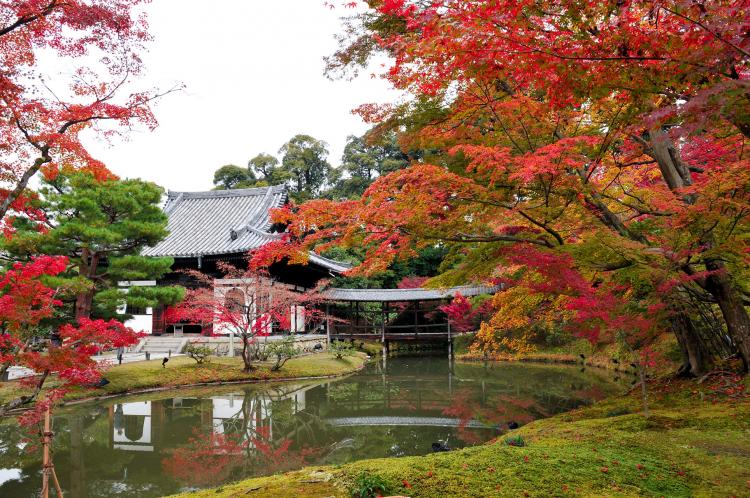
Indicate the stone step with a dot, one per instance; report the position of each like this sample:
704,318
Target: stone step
162,345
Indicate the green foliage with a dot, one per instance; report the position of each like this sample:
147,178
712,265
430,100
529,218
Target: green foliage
369,486
198,352
340,349
305,166
363,161
101,226
282,351
462,342
265,168
231,176
425,264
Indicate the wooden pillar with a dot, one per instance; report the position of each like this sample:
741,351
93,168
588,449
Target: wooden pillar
328,325
383,315
383,310
450,342
416,318
352,318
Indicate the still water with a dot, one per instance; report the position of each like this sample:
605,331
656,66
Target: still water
147,446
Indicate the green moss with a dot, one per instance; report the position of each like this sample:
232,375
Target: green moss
688,447
182,371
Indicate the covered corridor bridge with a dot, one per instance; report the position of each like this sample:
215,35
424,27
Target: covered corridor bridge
393,314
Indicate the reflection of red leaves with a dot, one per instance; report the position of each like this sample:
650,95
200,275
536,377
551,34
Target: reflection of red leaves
206,459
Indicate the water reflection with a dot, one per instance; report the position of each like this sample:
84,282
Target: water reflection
151,446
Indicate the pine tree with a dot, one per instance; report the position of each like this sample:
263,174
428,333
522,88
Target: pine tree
101,226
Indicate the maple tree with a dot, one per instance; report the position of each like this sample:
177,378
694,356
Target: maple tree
249,305
26,302
42,119
604,138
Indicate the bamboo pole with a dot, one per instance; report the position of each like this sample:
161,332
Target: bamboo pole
48,468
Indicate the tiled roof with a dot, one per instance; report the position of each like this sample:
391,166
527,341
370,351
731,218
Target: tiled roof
330,264
218,221
397,295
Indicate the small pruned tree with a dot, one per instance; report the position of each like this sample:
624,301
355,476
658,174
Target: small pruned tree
200,353
281,351
247,304
340,349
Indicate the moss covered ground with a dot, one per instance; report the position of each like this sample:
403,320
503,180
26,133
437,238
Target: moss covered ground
696,442
183,371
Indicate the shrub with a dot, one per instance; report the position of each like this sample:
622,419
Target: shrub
197,352
341,349
282,350
515,441
369,486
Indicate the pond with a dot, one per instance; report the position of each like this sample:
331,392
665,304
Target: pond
159,444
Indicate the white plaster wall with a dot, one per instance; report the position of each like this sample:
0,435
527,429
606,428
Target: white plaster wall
141,323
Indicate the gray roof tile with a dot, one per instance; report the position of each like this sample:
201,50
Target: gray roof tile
218,221
398,295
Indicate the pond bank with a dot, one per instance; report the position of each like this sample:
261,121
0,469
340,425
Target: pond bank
695,443
181,371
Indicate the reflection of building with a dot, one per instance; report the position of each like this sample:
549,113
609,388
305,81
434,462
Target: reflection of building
132,429
151,425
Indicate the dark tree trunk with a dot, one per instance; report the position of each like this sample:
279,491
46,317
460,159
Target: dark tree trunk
88,267
84,302
697,360
733,310
25,400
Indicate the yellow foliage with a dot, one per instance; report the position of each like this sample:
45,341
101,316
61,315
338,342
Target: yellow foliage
519,316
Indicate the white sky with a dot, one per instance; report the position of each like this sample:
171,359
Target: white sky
253,72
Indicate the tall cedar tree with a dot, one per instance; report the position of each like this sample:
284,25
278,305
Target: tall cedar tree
101,227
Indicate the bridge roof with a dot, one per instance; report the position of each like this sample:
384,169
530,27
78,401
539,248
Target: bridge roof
398,295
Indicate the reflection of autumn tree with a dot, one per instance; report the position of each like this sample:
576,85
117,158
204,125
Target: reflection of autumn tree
257,439
205,460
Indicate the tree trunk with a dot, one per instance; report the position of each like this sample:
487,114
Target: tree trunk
84,302
24,400
718,284
696,359
733,310
87,269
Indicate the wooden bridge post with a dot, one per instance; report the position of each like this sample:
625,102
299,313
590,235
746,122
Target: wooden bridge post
328,325
450,342
383,308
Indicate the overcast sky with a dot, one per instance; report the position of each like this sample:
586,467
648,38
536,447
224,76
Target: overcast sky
253,72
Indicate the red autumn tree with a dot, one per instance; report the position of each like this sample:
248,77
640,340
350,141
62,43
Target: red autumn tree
611,133
25,303
248,304
42,118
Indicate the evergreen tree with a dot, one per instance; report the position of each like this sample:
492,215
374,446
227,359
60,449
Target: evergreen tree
101,226
266,168
231,176
365,159
305,167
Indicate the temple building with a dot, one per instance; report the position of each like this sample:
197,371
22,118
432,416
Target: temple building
206,228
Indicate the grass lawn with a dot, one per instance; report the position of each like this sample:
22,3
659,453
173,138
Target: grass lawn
695,443
182,371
